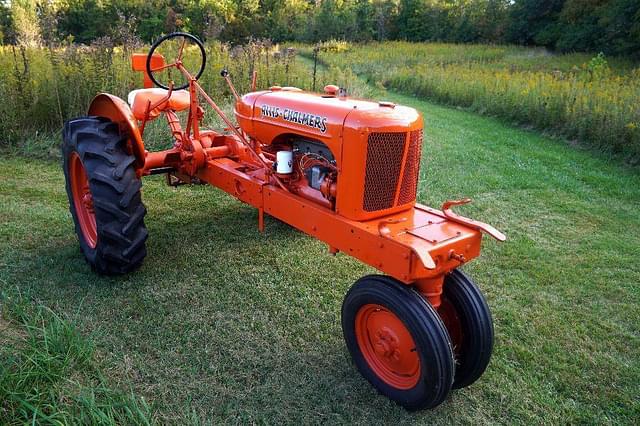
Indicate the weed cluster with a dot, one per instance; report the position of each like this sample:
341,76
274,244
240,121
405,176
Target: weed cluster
48,373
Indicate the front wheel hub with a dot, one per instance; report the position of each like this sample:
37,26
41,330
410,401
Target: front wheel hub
387,346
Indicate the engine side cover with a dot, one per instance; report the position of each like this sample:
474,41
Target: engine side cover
342,124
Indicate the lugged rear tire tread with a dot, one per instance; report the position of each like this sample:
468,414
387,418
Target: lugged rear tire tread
115,188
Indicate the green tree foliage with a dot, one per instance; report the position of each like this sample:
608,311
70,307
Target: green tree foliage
607,25
610,26
535,21
458,21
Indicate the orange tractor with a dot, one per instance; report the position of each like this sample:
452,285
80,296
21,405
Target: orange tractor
341,170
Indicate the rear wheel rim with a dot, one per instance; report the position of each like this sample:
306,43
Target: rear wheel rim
387,346
83,200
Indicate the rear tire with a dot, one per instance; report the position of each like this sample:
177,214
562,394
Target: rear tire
398,342
104,195
466,315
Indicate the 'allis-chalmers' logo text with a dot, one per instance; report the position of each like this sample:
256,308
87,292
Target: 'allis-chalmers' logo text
304,118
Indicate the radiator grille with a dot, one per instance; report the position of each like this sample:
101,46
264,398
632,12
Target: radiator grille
384,159
411,169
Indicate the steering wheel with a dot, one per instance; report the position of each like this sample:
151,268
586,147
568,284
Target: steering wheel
179,40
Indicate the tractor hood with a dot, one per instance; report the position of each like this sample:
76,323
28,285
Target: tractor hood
270,115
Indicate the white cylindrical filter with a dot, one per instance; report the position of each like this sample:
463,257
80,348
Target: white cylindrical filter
284,162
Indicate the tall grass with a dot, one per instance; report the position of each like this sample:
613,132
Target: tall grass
43,87
40,88
49,373
591,99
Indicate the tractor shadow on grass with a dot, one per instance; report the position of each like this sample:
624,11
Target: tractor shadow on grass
202,240
219,320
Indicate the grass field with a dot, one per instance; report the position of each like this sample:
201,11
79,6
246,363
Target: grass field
49,373
588,98
224,324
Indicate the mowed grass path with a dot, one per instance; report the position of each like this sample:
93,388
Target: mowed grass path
227,324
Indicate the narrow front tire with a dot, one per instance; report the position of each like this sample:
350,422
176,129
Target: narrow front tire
466,315
398,342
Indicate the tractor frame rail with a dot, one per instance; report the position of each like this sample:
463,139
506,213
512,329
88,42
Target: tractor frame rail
416,246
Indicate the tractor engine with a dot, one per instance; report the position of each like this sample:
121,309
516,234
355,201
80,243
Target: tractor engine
359,158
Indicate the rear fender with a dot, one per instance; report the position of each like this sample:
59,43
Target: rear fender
117,110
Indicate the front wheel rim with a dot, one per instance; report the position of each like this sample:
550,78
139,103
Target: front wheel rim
387,346
83,200
453,324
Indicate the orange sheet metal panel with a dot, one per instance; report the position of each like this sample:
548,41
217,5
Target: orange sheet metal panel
272,114
370,142
139,63
427,232
118,111
371,165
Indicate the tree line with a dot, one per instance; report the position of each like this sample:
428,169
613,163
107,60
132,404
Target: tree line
610,26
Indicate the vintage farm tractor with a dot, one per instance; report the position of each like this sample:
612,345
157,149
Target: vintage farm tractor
341,170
